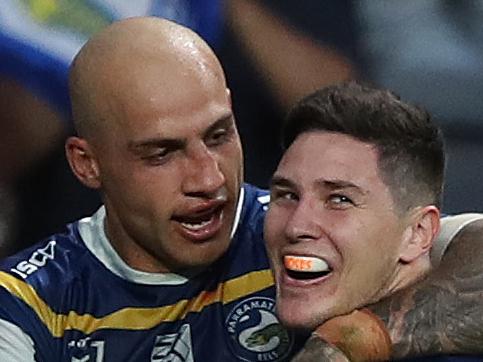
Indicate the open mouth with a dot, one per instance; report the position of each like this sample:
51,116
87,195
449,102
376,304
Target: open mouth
306,267
197,222
306,275
201,225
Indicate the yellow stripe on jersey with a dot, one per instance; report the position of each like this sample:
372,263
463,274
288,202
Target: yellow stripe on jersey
136,318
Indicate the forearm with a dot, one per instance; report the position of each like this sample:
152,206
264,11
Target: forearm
292,63
443,313
317,350
29,130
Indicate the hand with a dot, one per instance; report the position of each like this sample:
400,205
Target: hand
317,350
360,336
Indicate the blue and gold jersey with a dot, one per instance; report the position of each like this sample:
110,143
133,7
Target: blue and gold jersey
72,298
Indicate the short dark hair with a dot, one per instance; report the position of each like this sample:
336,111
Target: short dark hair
409,144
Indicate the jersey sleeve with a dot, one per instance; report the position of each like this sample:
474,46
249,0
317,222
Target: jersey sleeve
15,344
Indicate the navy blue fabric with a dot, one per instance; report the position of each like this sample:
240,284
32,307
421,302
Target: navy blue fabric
219,309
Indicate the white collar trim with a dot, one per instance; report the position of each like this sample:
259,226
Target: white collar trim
92,232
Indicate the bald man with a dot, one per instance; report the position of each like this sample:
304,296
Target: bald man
173,266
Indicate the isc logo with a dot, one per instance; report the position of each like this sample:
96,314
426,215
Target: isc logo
37,260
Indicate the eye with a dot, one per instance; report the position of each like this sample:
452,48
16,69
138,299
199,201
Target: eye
282,195
159,156
218,136
339,201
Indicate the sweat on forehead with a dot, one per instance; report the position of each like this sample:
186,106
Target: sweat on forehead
132,51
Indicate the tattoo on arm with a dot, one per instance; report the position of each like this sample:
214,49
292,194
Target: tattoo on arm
443,313
317,350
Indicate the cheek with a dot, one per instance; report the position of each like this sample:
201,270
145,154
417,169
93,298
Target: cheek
233,152
367,252
230,163
154,188
236,162
168,176
275,220
356,244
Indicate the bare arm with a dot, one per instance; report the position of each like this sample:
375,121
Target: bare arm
29,130
443,313
292,63
317,350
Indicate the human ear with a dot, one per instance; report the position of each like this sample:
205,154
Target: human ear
81,159
423,228
228,94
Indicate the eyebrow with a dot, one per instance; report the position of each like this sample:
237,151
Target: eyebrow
226,121
171,143
334,184
281,181
337,184
174,143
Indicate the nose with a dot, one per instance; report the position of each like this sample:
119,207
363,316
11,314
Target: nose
203,174
304,224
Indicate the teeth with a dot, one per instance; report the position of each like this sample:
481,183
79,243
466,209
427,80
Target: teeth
196,226
305,263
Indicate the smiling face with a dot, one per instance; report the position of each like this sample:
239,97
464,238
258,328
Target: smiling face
165,154
332,215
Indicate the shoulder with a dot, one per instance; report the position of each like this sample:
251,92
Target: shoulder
255,202
15,343
253,205
33,284
51,258
37,278
248,246
451,227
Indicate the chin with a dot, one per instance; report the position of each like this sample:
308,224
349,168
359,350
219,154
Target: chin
208,253
294,317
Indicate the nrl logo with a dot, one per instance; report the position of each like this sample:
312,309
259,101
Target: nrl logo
256,334
175,347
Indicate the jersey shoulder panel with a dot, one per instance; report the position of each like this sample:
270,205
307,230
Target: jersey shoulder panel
36,282
247,253
51,263
255,205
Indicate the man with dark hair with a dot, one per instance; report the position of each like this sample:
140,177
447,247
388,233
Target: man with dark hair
409,144
354,208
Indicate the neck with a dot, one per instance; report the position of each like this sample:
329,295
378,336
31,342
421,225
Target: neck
133,254
410,273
